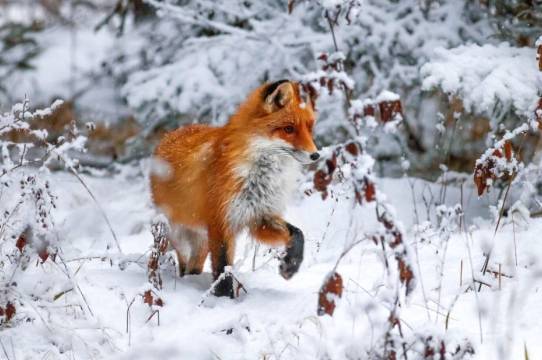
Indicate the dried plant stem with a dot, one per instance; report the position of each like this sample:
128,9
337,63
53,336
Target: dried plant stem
515,243
331,24
4,350
500,276
128,321
72,280
99,206
416,252
447,156
475,292
446,322
461,274
348,249
488,255
418,264
461,203
441,275
155,312
347,94
328,224
256,248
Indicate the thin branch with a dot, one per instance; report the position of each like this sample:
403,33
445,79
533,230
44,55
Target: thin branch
99,206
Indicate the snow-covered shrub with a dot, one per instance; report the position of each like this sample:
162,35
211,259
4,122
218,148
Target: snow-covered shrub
502,84
180,62
197,61
345,172
498,161
27,227
490,80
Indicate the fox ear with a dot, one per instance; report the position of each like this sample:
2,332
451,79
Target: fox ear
278,95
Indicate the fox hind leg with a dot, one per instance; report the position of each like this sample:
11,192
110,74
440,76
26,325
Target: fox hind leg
198,253
191,248
222,248
181,259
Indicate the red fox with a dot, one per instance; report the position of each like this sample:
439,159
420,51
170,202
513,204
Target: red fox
218,181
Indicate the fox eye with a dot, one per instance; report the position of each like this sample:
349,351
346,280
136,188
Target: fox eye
288,129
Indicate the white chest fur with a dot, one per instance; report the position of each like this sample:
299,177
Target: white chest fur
268,178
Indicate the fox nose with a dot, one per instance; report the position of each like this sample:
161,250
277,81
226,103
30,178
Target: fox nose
314,156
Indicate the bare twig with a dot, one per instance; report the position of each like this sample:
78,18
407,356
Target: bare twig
99,206
475,292
4,350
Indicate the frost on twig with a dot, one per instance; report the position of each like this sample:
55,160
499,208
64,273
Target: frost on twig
499,161
160,231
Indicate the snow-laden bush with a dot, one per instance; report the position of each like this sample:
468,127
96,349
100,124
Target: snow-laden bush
502,83
28,235
489,79
189,61
197,61
27,199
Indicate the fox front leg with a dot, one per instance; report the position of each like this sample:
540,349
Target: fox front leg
273,230
290,263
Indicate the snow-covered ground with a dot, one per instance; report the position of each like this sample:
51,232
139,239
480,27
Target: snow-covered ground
189,63
92,309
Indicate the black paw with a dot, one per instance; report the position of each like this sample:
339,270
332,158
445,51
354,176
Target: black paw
224,287
290,263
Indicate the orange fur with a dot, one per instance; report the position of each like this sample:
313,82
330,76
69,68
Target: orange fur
201,178
271,230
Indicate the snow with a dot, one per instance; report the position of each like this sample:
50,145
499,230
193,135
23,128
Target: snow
59,59
387,95
276,318
195,63
486,76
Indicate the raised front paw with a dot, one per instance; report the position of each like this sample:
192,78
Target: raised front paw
290,263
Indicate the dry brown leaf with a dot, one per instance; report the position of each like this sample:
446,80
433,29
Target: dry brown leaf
330,290
21,243
148,298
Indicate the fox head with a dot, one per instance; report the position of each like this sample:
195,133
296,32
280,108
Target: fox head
277,113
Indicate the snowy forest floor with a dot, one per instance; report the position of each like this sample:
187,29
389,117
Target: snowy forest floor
276,319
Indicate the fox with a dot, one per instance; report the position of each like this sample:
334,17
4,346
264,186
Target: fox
219,181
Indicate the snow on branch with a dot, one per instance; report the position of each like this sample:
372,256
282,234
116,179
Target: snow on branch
197,72
500,160
486,76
